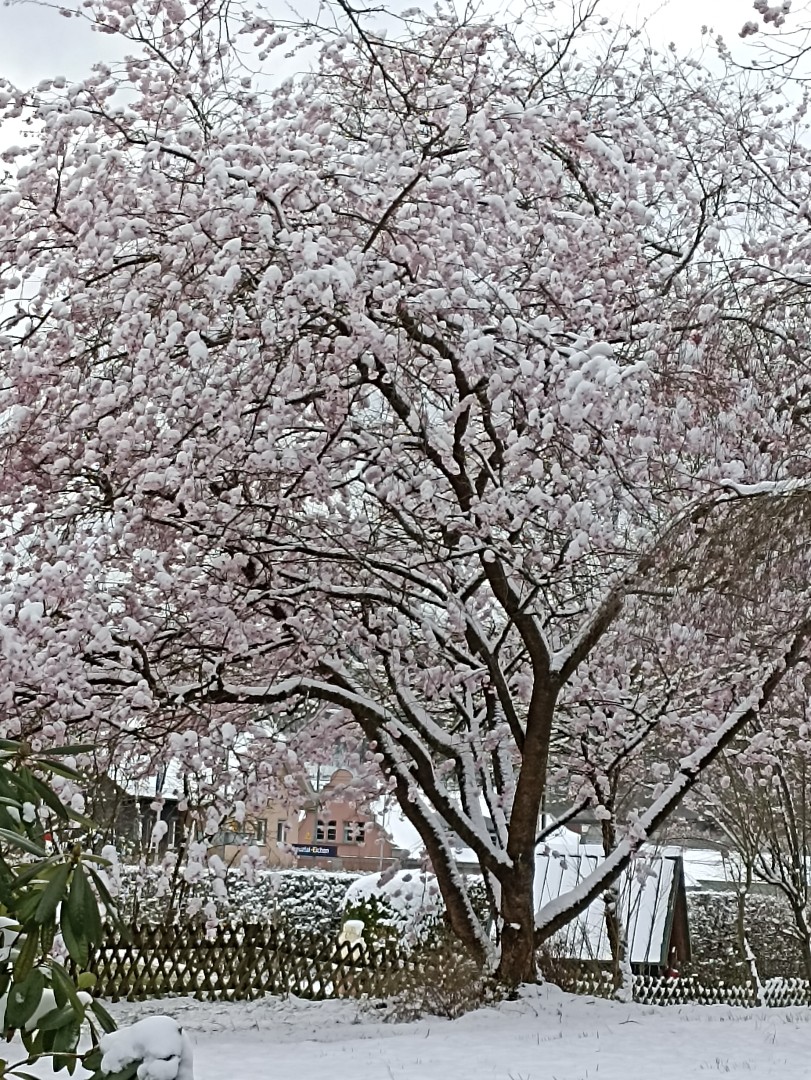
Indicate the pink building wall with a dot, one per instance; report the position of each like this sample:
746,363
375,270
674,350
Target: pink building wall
360,842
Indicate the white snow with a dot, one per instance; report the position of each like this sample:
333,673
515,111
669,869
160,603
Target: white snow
351,933
545,1035
412,895
157,1042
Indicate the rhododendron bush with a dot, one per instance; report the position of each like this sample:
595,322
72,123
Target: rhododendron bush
446,401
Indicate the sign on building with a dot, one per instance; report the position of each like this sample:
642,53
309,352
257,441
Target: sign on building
316,851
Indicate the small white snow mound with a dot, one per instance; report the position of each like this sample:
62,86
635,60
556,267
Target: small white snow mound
351,937
158,1042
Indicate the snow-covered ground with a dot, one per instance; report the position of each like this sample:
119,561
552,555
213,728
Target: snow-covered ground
545,1036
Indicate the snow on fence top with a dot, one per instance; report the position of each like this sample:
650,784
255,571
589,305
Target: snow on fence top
648,896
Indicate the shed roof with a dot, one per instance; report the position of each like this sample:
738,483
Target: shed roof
647,898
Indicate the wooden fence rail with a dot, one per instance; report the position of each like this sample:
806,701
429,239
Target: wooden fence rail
244,962
239,963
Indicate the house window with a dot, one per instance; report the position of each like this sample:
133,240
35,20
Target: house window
349,832
360,832
235,832
281,831
319,831
332,830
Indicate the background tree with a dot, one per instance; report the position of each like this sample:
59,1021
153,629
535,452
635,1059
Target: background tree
407,389
759,796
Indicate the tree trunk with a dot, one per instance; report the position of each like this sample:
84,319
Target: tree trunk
517,960
611,897
614,932
803,936
743,940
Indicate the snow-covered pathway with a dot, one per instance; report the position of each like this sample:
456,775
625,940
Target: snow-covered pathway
548,1036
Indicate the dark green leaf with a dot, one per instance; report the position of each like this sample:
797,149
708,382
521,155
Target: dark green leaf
109,903
103,1017
67,1037
64,988
33,1042
82,906
47,934
21,841
29,950
26,905
61,769
92,1059
34,871
49,797
24,998
65,751
53,894
57,1018
76,943
125,1074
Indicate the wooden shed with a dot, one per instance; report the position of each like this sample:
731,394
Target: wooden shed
652,907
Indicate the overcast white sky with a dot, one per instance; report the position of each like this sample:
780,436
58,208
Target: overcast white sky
37,42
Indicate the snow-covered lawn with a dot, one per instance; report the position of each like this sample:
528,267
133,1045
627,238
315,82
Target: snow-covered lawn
545,1036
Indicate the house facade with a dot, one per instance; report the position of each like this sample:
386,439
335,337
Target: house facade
335,833
329,831
270,832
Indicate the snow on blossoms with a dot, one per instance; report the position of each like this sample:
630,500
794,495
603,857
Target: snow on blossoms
415,404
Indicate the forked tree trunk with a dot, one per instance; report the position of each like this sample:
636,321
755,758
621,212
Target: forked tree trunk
517,957
743,940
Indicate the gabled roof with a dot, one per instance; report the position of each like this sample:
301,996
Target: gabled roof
150,781
648,891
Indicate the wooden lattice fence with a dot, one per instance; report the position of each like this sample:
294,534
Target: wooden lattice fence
244,962
659,990
239,963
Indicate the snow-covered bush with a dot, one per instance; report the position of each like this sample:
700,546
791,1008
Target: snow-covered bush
715,938
406,905
154,1048
310,900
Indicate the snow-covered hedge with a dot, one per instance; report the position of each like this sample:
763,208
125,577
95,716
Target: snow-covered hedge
311,900
712,919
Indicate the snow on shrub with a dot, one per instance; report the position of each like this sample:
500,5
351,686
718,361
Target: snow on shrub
309,900
407,903
157,1044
